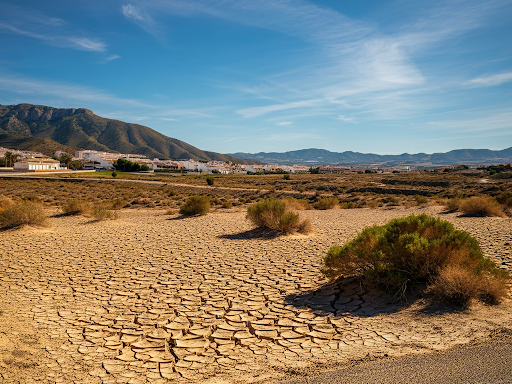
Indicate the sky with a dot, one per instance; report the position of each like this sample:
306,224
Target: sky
384,77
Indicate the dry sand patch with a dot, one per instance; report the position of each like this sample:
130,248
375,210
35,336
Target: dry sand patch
152,298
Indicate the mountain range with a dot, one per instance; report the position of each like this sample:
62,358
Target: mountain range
45,129
322,156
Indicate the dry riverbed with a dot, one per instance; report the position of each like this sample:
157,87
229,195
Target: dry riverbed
155,298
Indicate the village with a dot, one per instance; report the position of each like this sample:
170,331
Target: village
90,160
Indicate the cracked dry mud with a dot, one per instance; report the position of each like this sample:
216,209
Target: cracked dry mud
154,298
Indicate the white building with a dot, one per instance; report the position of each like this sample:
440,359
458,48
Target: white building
37,165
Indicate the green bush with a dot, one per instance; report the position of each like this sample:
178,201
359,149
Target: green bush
286,176
114,174
76,207
410,249
22,213
273,214
210,180
326,203
196,205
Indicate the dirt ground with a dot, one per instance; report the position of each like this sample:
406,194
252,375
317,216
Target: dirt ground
156,298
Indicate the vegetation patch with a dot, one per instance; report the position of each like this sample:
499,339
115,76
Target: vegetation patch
481,206
76,207
5,202
196,205
326,203
23,213
419,249
275,215
101,213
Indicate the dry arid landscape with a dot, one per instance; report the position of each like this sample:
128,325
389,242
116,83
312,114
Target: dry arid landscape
157,297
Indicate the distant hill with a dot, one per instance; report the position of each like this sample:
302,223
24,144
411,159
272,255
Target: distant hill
321,156
45,129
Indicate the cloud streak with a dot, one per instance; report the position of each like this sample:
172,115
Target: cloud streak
492,80
51,30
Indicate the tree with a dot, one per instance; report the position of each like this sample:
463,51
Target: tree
10,158
65,159
75,164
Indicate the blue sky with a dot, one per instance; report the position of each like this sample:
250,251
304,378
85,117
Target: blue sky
228,76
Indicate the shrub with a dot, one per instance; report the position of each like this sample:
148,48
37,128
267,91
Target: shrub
22,213
326,203
77,207
457,285
196,205
481,206
101,213
114,174
227,204
286,176
274,214
410,249
505,199
210,180
296,204
118,203
420,200
453,205
5,202
31,199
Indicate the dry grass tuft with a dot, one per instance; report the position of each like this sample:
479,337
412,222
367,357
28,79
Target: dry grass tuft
5,202
459,286
77,207
327,203
101,213
294,204
196,205
453,205
23,213
481,206
274,214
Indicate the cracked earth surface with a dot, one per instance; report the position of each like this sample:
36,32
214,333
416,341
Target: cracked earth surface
156,298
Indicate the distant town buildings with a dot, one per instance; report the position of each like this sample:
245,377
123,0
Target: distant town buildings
27,161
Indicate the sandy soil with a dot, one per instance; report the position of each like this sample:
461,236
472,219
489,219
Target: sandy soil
157,298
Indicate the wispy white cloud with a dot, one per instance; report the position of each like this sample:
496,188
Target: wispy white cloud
499,120
349,61
139,16
29,86
292,136
87,44
257,111
284,123
51,30
167,119
346,119
491,80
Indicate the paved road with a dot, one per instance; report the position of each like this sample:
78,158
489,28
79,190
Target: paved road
489,362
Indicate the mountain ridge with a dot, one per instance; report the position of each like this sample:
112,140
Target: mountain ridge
80,128
323,156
